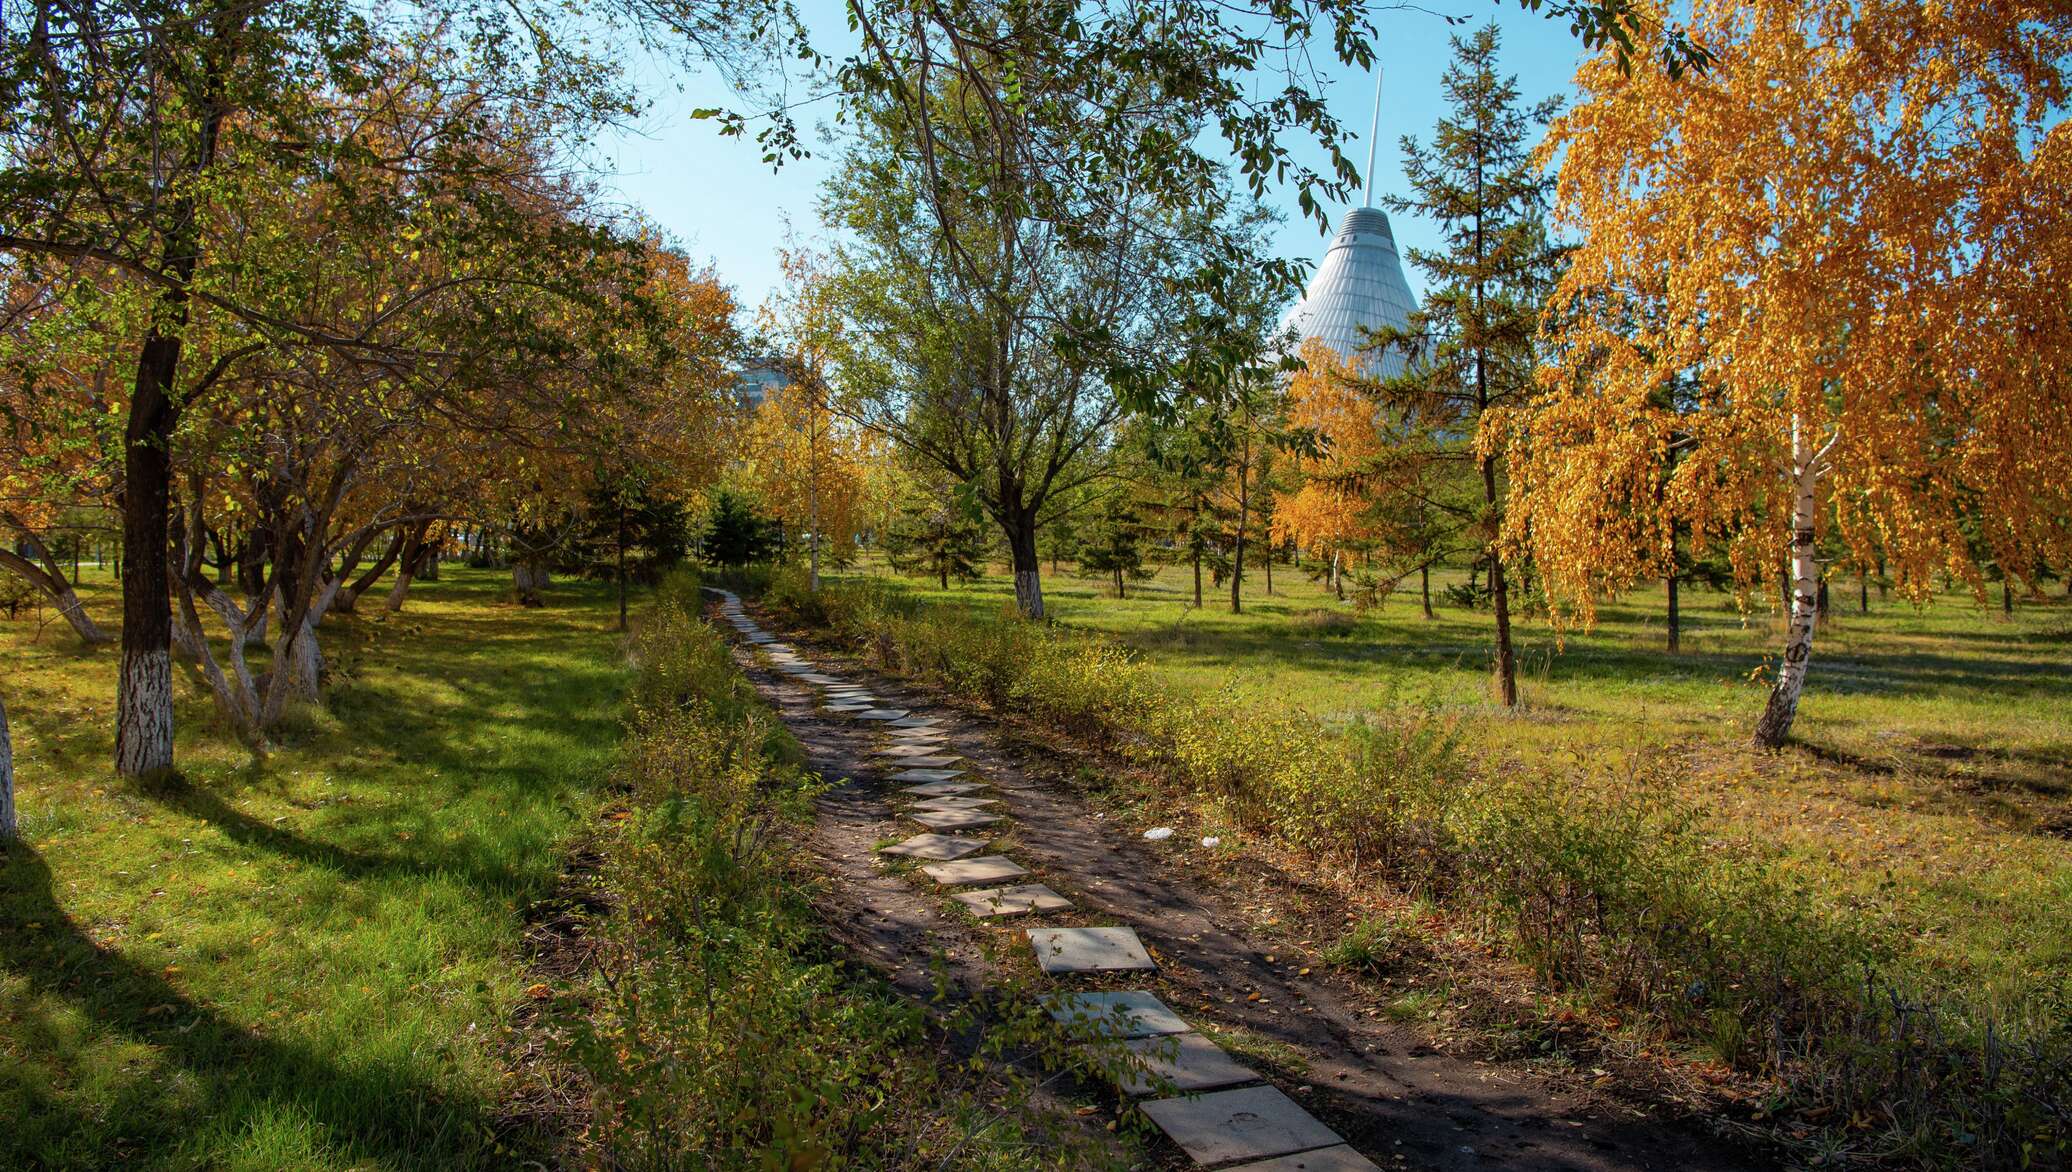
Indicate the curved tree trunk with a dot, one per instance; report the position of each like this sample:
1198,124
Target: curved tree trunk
349,595
1424,586
58,588
407,566
1783,705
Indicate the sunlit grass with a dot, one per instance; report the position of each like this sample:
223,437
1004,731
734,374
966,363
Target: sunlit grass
1929,791
307,962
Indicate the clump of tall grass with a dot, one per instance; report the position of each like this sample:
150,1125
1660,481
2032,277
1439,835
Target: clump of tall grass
1606,886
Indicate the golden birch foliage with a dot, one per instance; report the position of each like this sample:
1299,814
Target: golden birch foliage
1328,511
1861,216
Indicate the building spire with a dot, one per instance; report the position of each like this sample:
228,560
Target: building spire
1373,135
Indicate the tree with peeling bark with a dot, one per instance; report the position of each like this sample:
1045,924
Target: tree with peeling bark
1852,236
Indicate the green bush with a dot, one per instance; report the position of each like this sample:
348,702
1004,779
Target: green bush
1612,890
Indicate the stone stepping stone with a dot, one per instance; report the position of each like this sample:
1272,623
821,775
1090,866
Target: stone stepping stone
1096,950
917,722
956,803
793,669
929,762
1132,1014
914,752
935,846
1016,901
925,774
848,708
990,869
1176,1062
943,789
953,819
916,736
884,714
1243,1124
1338,1159
821,678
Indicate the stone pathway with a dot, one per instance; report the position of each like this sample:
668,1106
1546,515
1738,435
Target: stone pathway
1250,1123
960,805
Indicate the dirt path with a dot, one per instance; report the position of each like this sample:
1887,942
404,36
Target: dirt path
1378,1084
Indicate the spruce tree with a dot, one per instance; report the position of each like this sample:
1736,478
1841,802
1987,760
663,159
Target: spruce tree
1471,345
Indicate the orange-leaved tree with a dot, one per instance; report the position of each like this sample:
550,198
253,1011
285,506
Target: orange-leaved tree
1329,515
1821,285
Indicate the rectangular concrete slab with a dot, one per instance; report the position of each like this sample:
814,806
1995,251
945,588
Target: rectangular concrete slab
929,762
1244,1124
953,819
1090,950
928,775
1013,901
909,750
917,722
884,714
935,846
955,802
989,869
821,678
1176,1062
1338,1159
1132,1014
943,789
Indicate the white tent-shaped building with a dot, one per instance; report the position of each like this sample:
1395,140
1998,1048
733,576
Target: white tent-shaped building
1358,287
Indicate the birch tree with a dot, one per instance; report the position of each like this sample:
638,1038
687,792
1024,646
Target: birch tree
1851,238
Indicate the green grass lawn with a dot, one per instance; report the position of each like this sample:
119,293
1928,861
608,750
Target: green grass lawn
307,962
1930,788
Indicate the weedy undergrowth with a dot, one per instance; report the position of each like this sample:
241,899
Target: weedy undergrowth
721,1031
1614,891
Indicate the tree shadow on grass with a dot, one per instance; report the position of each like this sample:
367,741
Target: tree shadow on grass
374,1113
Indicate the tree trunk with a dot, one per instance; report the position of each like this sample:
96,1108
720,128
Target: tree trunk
349,597
621,568
59,590
1269,569
529,579
2006,596
942,571
9,827
1118,583
1195,545
1675,620
1028,582
1424,587
1506,667
406,567
144,688
1783,706
1863,593
1237,550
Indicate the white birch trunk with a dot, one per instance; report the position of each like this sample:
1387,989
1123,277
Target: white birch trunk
1783,706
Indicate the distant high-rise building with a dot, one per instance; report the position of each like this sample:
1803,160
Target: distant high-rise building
756,379
1358,287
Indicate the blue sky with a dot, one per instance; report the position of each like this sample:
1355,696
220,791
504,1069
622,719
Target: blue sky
723,204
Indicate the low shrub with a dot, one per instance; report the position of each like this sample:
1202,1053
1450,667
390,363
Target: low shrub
1607,887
